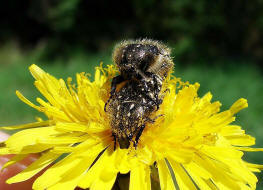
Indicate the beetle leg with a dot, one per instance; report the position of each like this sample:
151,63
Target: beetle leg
150,120
138,135
115,140
115,81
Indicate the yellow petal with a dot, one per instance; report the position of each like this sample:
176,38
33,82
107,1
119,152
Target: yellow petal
36,71
34,168
62,149
29,125
254,166
91,127
28,137
68,170
62,140
231,130
25,100
102,174
217,171
221,152
54,112
166,181
70,180
4,150
121,161
238,105
211,184
200,182
183,180
249,149
241,140
198,170
140,177
182,156
14,160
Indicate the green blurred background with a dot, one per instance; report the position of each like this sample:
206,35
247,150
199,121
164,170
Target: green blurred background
216,43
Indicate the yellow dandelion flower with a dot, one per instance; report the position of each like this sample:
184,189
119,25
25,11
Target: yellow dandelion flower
192,146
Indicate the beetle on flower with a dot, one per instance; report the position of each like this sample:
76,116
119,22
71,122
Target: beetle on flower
193,145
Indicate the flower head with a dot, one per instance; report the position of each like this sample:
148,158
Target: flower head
192,146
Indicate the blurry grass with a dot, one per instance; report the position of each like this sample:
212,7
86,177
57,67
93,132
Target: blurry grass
227,83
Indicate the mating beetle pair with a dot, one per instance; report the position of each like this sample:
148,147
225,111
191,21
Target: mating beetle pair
143,65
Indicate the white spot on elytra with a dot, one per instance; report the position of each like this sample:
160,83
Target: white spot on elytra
129,114
132,106
158,80
140,110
